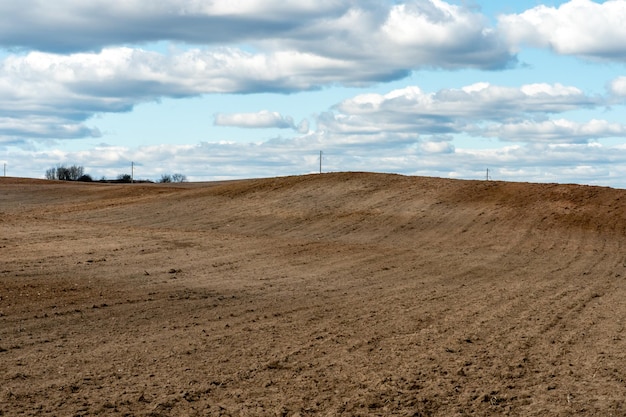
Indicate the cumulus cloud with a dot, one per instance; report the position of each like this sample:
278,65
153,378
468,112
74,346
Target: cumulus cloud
408,35
437,147
553,131
411,34
116,73
262,119
67,90
461,110
71,26
75,87
476,100
578,27
13,129
70,60
617,87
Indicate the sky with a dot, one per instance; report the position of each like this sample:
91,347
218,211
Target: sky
530,91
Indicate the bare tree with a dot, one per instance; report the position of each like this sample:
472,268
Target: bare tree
63,173
165,178
75,172
179,178
51,174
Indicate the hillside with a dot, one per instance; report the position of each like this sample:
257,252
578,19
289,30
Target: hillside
333,294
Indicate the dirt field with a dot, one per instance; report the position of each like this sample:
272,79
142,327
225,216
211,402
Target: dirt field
336,294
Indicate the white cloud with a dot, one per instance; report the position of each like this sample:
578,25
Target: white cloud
460,110
430,31
405,36
70,26
14,129
578,27
303,127
67,90
431,147
553,131
410,118
617,87
409,35
116,78
478,100
262,119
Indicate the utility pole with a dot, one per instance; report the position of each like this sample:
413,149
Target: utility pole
320,162
132,172
487,177
5,169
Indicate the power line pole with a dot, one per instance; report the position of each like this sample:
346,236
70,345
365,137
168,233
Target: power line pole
132,172
487,177
5,169
320,162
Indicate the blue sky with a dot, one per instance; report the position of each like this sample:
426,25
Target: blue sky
533,91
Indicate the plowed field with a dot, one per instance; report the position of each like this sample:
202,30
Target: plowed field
345,294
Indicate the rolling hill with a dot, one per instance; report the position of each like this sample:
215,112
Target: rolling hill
332,294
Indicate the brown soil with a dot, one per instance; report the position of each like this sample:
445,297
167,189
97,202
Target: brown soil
335,294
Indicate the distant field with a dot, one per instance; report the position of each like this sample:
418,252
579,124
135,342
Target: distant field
353,294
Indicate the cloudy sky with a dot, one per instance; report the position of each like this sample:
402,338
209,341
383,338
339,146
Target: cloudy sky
213,89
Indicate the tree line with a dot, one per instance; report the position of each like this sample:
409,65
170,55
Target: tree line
77,173
72,173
